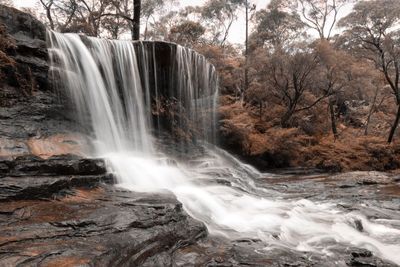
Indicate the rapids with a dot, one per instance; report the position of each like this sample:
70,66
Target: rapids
114,85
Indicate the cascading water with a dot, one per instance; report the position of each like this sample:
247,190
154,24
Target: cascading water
119,85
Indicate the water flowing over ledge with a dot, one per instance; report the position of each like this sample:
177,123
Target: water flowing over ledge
119,85
120,89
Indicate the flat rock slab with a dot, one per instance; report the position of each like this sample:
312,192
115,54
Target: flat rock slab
31,177
55,166
42,187
65,211
214,251
104,226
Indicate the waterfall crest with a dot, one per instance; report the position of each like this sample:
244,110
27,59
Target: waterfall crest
121,89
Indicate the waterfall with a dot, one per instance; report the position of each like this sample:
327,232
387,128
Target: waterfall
113,97
129,93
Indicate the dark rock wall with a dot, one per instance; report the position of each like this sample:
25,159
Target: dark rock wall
30,51
31,110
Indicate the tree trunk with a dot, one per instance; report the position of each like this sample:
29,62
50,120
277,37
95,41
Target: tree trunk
286,117
246,53
333,120
48,13
368,121
394,126
146,28
371,111
136,20
49,17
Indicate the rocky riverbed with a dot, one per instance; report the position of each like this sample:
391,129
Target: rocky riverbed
66,211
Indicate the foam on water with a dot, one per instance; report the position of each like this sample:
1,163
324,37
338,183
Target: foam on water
104,82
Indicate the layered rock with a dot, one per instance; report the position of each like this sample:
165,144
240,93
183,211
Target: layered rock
33,117
65,211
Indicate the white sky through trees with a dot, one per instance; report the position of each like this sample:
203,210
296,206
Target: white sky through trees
236,35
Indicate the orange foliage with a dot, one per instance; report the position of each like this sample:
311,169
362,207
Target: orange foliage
352,151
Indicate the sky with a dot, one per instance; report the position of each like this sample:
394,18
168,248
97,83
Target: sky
236,35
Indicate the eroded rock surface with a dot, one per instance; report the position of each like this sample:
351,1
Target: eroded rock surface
64,211
252,252
34,116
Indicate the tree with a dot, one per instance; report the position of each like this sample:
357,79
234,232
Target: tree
256,95
219,16
47,5
276,31
136,20
127,10
153,9
186,33
89,15
291,77
276,28
76,15
246,51
7,3
375,104
373,28
318,15
94,17
150,7
60,14
334,72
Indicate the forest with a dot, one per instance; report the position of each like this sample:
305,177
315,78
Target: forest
315,83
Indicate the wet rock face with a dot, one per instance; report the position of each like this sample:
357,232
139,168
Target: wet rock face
64,211
20,22
233,138
95,227
57,165
29,51
247,252
33,115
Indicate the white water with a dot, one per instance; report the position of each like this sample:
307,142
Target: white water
104,82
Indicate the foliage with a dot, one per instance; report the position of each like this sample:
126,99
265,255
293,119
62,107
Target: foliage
318,15
218,16
373,30
186,33
276,28
7,3
305,70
